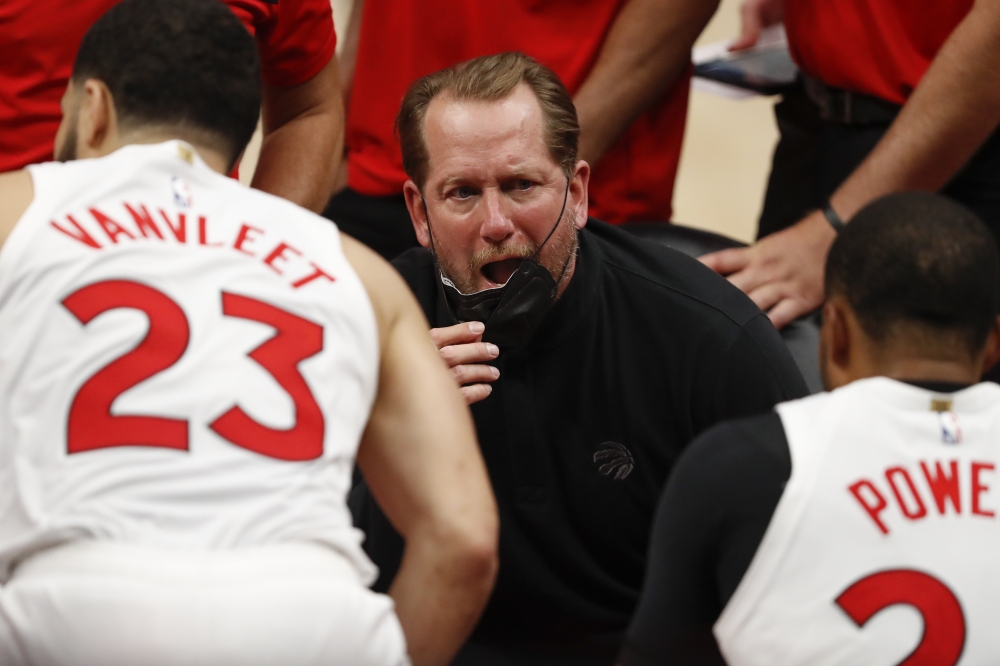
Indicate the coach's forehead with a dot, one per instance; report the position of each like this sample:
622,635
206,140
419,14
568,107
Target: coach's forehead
507,131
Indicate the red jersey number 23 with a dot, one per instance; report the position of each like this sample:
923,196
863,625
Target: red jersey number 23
92,426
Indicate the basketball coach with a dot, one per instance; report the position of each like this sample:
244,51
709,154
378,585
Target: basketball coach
592,358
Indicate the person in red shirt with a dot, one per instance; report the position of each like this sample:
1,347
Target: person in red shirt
302,107
626,63
895,98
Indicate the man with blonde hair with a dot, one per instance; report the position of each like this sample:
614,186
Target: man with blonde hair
591,358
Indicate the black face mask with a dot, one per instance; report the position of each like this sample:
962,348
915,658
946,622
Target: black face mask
513,311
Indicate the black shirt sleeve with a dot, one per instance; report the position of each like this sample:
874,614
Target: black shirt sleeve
757,373
711,519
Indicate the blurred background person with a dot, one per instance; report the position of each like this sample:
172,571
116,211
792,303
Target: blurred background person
893,99
302,108
626,63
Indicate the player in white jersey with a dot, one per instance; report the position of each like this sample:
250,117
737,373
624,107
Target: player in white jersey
187,368
860,526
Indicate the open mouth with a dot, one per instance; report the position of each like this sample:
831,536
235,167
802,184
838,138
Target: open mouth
498,272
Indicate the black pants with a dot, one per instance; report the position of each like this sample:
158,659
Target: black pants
381,223
814,157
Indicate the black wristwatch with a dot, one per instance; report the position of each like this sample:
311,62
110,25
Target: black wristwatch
831,216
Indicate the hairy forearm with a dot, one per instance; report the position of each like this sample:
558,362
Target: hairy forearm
440,591
300,159
647,49
303,146
951,112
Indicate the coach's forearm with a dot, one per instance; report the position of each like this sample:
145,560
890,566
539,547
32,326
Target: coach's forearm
441,589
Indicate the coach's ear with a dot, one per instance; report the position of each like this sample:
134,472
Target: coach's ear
97,125
991,352
418,212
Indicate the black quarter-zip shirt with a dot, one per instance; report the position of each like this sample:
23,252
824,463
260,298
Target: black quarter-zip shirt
645,349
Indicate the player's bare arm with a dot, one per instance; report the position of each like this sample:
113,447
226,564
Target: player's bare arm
421,461
647,49
951,112
16,193
303,145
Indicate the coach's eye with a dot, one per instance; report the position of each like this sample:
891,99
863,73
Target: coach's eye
524,184
463,192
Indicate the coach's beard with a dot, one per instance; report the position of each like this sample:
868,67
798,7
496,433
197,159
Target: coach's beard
512,311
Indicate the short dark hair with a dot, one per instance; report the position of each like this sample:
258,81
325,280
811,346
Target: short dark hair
184,63
488,79
918,260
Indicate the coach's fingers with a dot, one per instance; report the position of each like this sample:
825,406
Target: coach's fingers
725,262
475,373
470,331
476,352
476,392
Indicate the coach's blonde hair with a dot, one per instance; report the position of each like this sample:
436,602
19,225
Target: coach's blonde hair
487,79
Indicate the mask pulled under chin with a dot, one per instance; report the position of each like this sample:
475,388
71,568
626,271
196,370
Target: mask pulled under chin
511,313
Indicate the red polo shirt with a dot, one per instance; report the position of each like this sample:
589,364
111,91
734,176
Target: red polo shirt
41,37
878,47
402,40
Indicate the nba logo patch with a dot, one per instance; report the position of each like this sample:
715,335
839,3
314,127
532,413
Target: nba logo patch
182,192
951,432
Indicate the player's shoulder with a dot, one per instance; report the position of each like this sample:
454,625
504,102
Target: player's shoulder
389,294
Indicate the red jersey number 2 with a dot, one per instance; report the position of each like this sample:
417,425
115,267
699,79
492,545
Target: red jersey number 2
944,621
92,426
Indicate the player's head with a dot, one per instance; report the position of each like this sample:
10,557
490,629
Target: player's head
184,69
490,147
912,287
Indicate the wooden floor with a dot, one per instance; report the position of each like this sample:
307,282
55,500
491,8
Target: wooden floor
726,155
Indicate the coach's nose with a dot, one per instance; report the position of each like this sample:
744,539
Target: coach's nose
498,225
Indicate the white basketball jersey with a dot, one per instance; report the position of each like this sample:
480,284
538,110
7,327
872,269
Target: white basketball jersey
184,362
884,546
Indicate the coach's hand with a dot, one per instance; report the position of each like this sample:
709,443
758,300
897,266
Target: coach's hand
783,272
462,348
